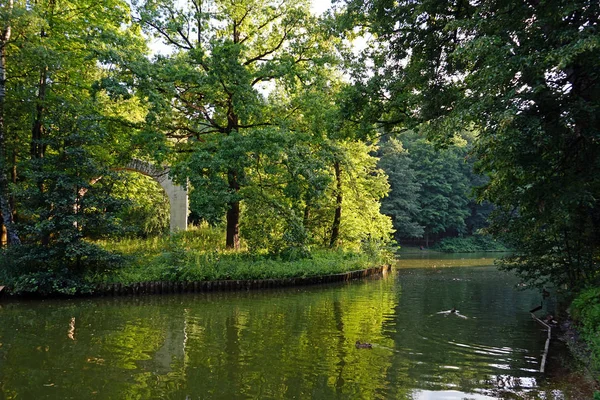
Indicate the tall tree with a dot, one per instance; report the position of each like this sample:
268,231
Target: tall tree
525,75
207,92
63,129
6,16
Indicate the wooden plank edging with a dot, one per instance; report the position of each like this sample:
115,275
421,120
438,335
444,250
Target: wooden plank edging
547,345
144,288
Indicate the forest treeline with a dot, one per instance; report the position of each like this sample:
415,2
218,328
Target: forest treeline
291,138
243,108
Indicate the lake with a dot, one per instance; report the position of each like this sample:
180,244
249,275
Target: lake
293,343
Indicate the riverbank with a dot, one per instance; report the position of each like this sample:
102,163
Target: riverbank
582,333
574,359
564,369
196,256
466,244
170,287
193,260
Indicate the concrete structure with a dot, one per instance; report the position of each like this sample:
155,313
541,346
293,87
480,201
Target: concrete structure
178,197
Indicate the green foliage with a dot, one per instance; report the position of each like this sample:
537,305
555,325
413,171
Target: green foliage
234,266
62,134
146,209
381,251
209,91
469,244
60,205
195,255
198,238
585,310
363,186
172,261
43,283
444,191
525,78
402,203
51,270
431,187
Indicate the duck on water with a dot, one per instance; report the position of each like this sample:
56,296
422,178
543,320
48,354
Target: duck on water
453,311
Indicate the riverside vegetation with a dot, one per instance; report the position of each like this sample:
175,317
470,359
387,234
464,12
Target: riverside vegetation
195,256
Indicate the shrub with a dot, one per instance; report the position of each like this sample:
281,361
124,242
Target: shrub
44,270
585,310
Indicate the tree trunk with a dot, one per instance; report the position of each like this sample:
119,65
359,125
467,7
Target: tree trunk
335,227
233,213
37,146
3,235
306,218
13,178
5,207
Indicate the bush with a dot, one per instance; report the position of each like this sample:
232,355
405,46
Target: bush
45,270
585,310
44,283
469,244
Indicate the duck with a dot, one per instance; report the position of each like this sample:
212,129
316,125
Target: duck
360,345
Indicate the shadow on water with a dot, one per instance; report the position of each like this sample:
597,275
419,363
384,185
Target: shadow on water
296,343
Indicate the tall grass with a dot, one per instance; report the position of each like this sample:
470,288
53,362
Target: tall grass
198,254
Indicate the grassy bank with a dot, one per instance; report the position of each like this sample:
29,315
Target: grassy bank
183,258
195,255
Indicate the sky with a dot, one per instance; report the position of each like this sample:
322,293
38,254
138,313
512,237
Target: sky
318,7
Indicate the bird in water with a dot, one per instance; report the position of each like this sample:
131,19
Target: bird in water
453,311
360,345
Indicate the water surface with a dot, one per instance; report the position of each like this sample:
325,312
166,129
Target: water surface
296,343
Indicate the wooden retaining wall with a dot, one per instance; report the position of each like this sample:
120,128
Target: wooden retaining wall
145,288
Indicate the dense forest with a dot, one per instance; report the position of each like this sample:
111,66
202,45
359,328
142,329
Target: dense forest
375,121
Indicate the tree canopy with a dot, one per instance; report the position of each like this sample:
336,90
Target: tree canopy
243,107
525,76
289,138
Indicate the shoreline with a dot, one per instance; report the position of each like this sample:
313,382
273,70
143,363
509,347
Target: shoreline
569,362
174,287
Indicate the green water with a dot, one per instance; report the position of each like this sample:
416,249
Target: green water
297,343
